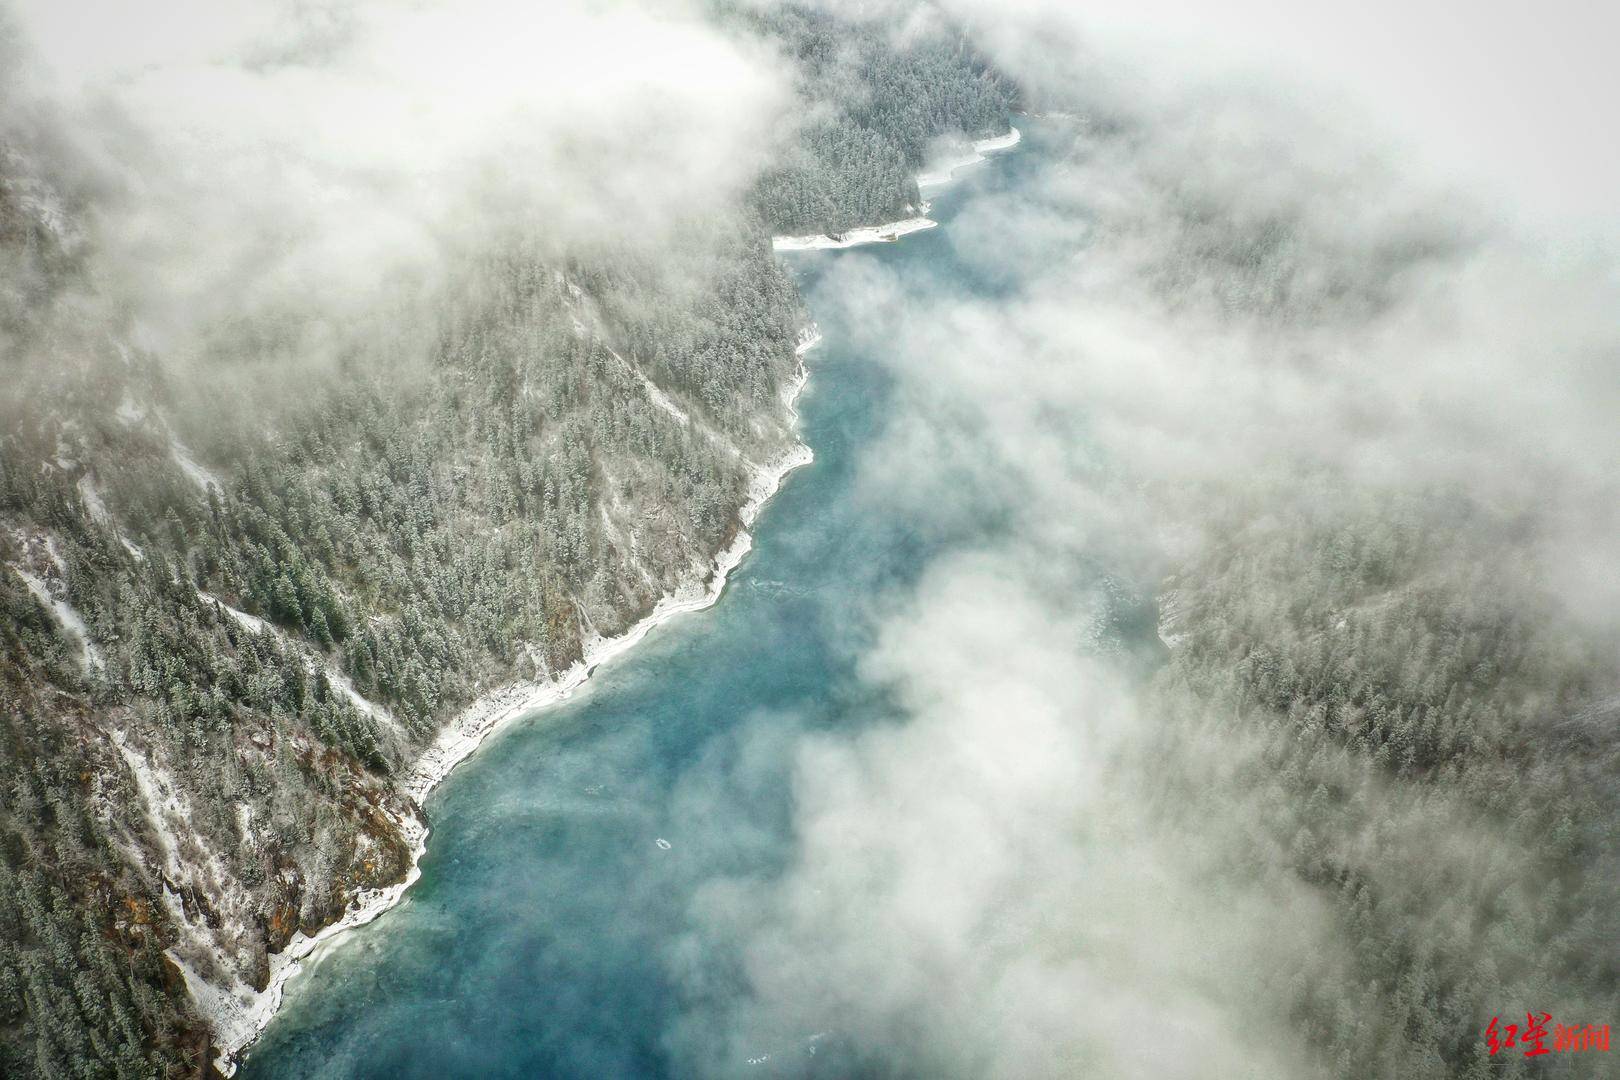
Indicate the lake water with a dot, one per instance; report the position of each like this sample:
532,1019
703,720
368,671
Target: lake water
549,935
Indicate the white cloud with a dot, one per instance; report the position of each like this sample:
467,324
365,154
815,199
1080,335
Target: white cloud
1197,310
1509,100
272,155
980,891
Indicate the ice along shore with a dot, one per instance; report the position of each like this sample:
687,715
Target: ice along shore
939,174
239,1013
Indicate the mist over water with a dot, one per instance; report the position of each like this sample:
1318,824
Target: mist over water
896,768
551,934
926,812
1189,655
929,810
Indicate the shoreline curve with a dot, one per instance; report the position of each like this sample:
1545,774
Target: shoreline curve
240,1014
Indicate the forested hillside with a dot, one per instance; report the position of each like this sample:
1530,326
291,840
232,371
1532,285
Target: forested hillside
1424,718
244,589
233,612
1431,747
875,98
1362,795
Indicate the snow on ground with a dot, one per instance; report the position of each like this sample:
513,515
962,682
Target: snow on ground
65,613
1172,618
251,623
464,734
238,1013
1000,142
223,1008
97,509
662,400
869,234
659,398
159,801
67,446
940,173
359,701
48,212
943,172
129,413
188,464
336,678
92,502
809,338
166,810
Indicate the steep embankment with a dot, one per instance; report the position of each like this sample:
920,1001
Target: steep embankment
239,619
239,1013
262,592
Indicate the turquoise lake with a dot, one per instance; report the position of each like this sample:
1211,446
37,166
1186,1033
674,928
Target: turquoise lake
549,934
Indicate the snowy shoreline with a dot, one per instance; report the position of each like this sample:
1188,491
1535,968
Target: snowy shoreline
946,171
894,230
240,1015
865,234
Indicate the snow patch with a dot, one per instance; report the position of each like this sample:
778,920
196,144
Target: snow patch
37,199
809,338
188,465
867,234
362,703
1172,618
662,400
92,502
129,413
158,801
464,735
251,623
338,680
240,1014
943,172
656,393
65,614
938,175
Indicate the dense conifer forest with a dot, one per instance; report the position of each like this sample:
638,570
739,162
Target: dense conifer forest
1424,724
1405,699
269,637
243,593
876,108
